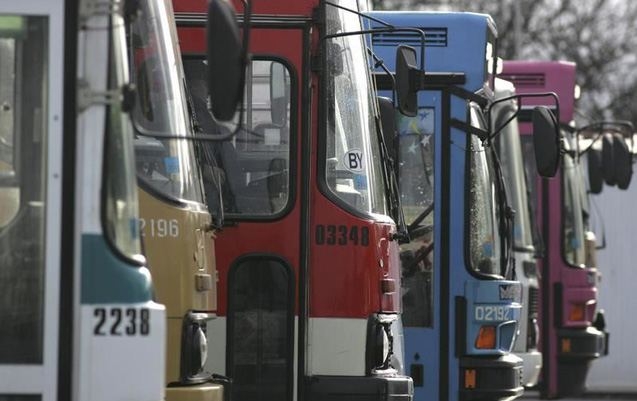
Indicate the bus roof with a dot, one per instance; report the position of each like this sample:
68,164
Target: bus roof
454,41
544,76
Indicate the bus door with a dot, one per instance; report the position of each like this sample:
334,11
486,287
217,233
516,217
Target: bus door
31,102
258,252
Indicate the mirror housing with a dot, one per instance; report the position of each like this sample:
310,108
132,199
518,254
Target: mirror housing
406,89
388,122
595,174
226,60
623,163
279,94
546,141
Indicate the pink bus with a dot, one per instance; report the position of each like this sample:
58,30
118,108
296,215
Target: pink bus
569,340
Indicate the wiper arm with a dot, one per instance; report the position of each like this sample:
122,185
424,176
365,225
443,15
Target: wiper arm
414,225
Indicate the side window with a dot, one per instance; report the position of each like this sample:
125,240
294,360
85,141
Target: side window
255,163
24,87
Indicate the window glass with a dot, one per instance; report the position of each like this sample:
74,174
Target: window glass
510,154
572,217
484,238
416,179
160,108
353,169
260,319
24,89
120,203
254,165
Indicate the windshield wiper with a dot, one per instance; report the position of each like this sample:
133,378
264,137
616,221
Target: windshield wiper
423,215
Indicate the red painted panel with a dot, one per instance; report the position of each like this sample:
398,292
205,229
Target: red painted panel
276,7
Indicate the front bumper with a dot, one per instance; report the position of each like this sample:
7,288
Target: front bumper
361,388
577,348
490,378
531,366
199,392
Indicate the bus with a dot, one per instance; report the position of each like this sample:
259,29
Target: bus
461,301
176,223
80,320
526,242
569,340
309,282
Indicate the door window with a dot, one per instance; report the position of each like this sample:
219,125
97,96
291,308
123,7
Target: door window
23,144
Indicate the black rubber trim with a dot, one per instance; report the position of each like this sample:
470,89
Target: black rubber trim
360,388
445,297
67,262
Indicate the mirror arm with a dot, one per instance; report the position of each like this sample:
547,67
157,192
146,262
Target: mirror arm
470,129
470,96
379,63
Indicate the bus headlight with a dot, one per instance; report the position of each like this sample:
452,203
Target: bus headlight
194,347
380,342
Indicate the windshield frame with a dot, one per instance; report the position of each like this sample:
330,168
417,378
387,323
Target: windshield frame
500,253
167,53
379,208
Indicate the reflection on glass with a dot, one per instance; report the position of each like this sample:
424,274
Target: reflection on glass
259,314
416,181
253,167
160,107
24,91
352,165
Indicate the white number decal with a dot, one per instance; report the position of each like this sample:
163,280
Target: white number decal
160,228
492,313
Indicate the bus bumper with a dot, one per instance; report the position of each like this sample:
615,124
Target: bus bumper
531,366
490,378
577,348
361,388
198,392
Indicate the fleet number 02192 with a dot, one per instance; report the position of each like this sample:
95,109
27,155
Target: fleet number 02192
492,313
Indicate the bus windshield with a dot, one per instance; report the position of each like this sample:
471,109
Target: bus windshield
484,237
510,154
572,217
353,170
166,165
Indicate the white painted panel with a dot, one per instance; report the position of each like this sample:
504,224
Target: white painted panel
618,266
336,346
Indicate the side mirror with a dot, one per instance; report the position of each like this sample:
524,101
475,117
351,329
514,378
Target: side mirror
406,89
279,93
608,166
622,159
595,177
226,61
546,141
388,121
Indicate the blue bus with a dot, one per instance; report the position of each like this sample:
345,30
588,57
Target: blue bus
461,301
